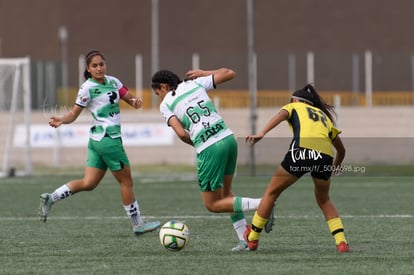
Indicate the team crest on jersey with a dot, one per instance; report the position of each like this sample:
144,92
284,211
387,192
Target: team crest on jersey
113,84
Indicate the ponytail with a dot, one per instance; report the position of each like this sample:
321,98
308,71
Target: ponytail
87,74
309,95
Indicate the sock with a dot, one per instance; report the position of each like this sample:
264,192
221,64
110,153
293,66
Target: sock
61,193
337,229
239,224
258,224
242,204
134,213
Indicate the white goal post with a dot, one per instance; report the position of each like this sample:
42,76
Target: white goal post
15,109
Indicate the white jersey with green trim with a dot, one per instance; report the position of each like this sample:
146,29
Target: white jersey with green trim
193,107
102,100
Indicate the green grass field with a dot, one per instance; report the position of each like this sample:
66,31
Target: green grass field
90,234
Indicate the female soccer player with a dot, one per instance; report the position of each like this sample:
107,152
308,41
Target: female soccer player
312,123
100,93
187,108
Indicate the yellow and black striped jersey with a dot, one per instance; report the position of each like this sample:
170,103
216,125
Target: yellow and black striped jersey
312,128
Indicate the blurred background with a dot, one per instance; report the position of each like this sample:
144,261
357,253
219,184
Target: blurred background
358,54
55,33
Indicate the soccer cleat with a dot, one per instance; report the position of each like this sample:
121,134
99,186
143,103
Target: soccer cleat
252,245
241,246
45,206
146,227
343,247
271,221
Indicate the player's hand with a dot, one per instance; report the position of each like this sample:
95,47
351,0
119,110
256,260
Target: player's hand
55,121
193,74
136,102
253,139
337,170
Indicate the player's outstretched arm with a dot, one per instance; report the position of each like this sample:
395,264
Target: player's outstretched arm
273,122
69,117
220,75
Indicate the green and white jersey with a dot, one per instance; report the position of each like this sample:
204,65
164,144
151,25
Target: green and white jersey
196,112
102,100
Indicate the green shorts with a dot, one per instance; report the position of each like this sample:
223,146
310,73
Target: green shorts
214,162
107,153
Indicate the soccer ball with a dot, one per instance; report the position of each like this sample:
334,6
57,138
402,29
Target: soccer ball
174,235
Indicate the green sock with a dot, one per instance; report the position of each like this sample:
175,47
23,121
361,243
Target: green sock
238,205
237,217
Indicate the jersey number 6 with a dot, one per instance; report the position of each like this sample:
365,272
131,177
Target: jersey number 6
195,113
317,115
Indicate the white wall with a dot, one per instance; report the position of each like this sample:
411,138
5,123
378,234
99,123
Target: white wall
378,134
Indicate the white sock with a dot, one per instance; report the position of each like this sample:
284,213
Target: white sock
134,213
249,204
239,227
61,193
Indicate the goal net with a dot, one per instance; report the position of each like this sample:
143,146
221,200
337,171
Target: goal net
15,111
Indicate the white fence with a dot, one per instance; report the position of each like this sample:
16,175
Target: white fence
371,135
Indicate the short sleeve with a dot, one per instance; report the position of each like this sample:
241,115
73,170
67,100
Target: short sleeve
206,81
166,112
334,133
83,98
288,108
123,91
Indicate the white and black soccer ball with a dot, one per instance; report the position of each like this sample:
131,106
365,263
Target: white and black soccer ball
174,235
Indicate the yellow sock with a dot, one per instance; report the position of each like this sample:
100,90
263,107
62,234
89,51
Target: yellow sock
258,224
337,229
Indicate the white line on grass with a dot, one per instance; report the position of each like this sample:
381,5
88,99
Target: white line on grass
380,216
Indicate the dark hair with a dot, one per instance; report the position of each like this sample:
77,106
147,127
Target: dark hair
88,59
165,77
309,95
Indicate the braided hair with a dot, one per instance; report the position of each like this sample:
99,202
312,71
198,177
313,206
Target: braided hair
165,77
309,95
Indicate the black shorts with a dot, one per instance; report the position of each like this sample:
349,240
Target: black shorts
303,160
